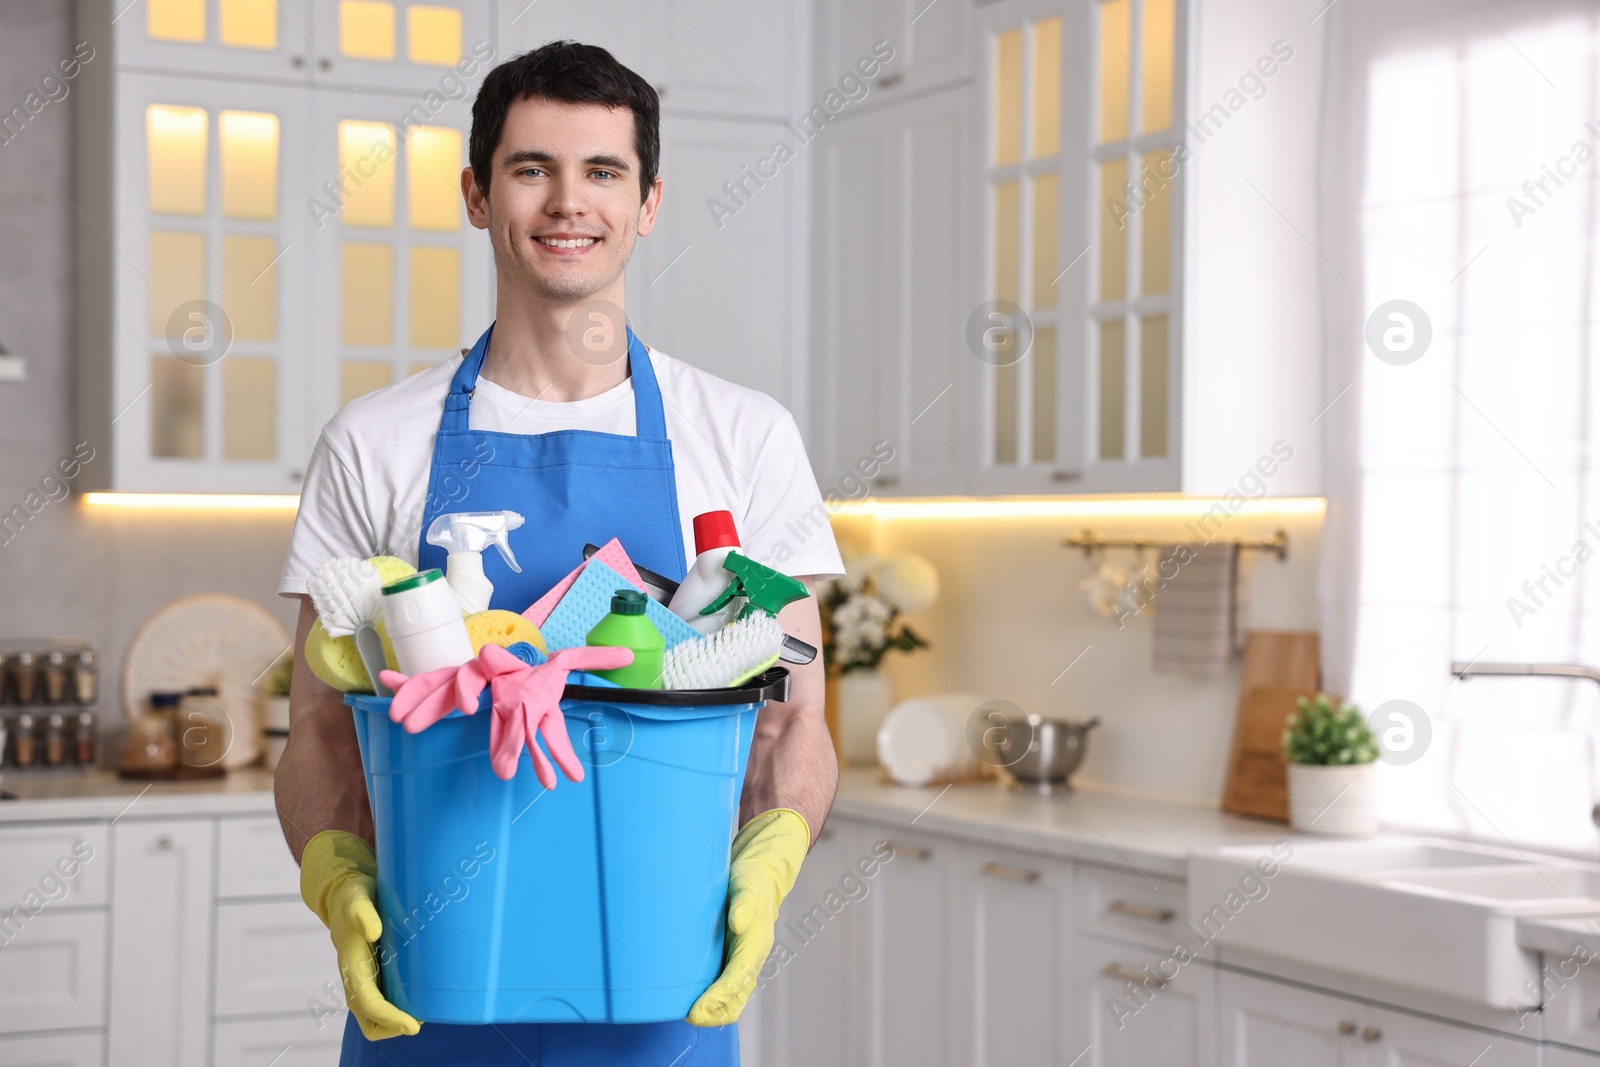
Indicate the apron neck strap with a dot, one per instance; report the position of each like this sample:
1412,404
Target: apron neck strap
649,418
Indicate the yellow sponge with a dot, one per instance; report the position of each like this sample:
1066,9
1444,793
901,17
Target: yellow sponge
336,661
392,568
503,628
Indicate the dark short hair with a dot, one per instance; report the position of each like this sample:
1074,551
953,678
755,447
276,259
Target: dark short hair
570,73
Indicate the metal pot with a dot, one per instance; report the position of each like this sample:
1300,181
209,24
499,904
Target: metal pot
1040,753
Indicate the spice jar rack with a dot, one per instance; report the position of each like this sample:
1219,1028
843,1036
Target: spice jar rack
49,690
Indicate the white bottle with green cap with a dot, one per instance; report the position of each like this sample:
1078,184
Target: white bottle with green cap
424,622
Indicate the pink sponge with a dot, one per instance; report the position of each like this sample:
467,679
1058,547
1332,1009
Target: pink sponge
610,553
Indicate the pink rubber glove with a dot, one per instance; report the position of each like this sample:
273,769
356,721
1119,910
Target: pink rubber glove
527,701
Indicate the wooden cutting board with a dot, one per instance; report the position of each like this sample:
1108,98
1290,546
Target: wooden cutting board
1280,666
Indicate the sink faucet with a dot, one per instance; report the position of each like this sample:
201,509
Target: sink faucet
1465,671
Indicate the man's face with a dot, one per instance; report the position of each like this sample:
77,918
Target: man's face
563,209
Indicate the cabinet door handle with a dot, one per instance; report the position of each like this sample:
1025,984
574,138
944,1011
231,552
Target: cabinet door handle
1139,911
885,481
1346,1026
164,841
1372,1033
1127,974
909,851
1016,874
1065,476
297,62
825,833
889,81
324,64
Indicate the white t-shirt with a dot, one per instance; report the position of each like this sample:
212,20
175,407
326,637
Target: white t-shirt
733,449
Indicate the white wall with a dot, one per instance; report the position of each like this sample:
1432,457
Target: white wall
1010,619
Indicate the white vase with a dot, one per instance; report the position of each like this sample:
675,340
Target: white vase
1334,800
864,698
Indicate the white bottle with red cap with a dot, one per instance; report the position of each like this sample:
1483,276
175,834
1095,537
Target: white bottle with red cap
714,538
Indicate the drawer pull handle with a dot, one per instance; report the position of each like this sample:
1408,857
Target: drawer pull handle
1016,874
1371,1033
910,851
1139,911
164,841
1347,1027
1127,974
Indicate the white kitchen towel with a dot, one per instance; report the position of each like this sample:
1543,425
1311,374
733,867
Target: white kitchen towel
1197,618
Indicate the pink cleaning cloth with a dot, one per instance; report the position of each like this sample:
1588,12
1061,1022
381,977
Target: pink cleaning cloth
526,702
610,553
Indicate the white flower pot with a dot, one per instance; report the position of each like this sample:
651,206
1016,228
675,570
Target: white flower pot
864,698
1334,800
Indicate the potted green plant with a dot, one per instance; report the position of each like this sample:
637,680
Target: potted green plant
275,708
1332,773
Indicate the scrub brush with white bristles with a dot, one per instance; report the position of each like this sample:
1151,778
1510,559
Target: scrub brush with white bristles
346,593
732,655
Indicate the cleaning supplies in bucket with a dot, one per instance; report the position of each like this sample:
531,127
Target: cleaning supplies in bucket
464,535
714,537
632,862
627,626
425,624
731,656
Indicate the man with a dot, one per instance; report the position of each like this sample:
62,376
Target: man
558,413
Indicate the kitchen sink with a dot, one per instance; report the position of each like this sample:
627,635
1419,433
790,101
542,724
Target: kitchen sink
1360,857
1435,916
1528,883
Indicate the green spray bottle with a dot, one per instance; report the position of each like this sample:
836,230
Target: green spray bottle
627,626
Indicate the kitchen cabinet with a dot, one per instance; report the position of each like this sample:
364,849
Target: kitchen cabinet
1270,1023
1111,326
161,888
722,57
892,376
1136,1007
261,39
215,211
1018,930
932,44
402,279
390,44
910,941
1556,1056
810,1004
53,971
54,1050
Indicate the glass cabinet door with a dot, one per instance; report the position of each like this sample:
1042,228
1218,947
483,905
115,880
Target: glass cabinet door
255,38
401,278
437,50
1081,183
210,390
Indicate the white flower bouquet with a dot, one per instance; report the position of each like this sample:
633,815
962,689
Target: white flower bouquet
861,611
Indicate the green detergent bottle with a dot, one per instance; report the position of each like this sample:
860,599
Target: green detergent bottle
629,627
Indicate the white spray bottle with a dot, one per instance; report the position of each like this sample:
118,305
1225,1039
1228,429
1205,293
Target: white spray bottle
465,534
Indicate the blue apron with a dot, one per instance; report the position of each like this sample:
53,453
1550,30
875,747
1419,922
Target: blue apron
573,487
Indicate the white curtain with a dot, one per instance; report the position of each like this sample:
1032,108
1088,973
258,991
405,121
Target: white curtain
1459,174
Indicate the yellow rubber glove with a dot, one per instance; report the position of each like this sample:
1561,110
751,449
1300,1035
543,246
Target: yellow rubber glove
766,858
339,881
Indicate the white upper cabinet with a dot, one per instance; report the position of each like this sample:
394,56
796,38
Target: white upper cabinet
723,57
403,279
205,387
219,200
427,50
928,44
893,379
230,38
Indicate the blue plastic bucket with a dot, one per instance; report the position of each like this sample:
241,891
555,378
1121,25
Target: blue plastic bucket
600,901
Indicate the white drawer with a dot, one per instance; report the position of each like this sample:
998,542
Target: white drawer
254,860
1146,910
53,973
68,863
292,1041
53,1050
272,957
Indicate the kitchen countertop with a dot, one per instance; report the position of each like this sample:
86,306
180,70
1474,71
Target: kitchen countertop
1559,936
104,795
1153,836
